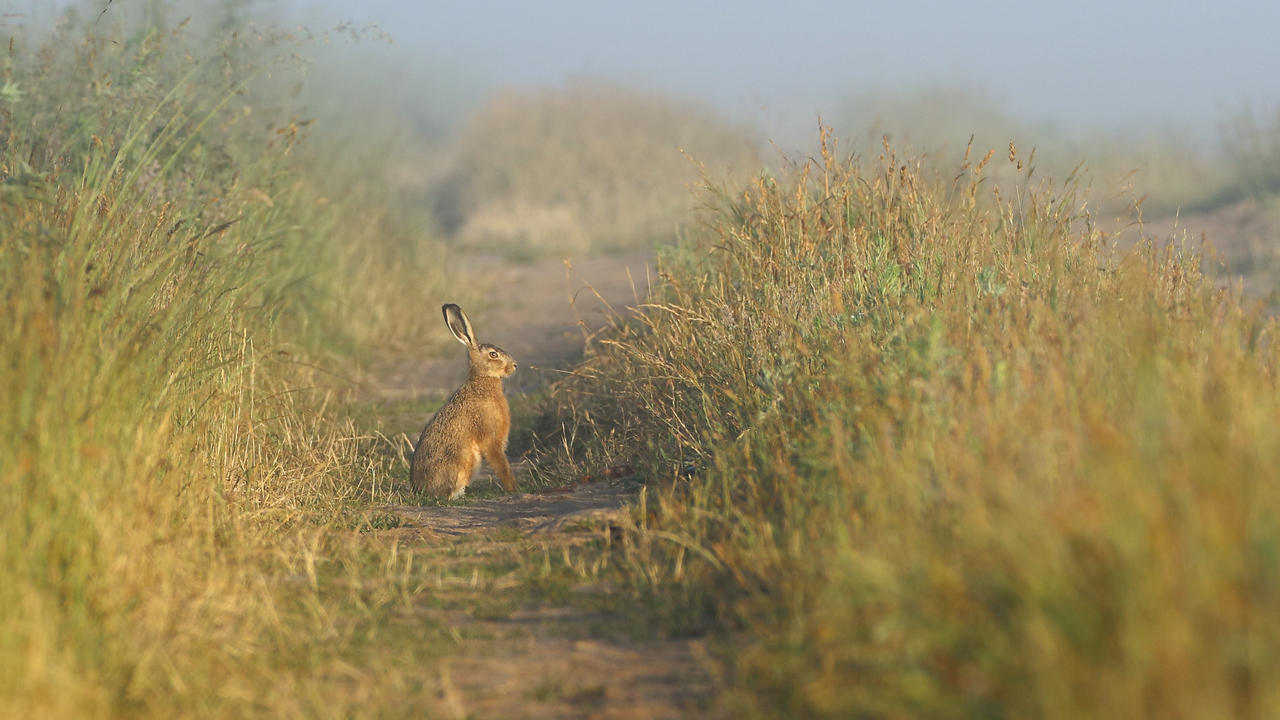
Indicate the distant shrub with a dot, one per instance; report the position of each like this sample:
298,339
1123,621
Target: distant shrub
588,167
1251,146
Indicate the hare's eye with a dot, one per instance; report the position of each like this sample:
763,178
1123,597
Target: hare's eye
493,353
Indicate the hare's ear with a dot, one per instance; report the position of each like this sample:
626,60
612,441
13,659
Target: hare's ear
458,324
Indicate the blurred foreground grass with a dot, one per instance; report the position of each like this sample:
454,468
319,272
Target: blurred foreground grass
933,449
176,256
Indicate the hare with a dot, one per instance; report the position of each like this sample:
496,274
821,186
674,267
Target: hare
473,422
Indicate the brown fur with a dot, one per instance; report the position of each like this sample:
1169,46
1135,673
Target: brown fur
473,423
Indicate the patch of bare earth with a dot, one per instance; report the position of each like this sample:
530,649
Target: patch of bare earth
1243,239
518,657
523,654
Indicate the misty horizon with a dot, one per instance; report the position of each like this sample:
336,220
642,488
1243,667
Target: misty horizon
1137,68
1096,64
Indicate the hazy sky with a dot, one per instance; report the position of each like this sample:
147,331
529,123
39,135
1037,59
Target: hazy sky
1095,62
1133,64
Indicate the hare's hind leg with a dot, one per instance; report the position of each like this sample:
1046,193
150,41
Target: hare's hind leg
451,482
448,473
462,474
460,486
496,455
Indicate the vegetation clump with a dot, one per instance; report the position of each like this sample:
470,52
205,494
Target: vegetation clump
172,471
932,448
582,169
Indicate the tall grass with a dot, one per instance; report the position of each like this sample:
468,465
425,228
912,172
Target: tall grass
930,448
171,478
1168,167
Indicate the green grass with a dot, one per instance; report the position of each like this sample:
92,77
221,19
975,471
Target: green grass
930,448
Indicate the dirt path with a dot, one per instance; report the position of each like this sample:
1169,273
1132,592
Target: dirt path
596,504
1242,238
557,652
